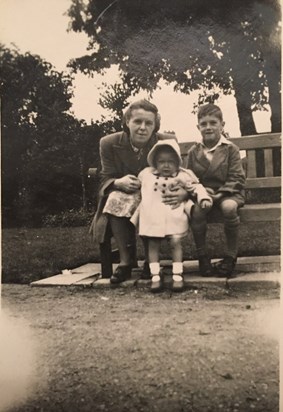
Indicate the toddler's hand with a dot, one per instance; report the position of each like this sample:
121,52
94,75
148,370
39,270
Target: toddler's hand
206,204
210,191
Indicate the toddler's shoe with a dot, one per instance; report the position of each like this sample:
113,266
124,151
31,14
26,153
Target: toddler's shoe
205,268
121,274
178,283
156,283
145,274
225,267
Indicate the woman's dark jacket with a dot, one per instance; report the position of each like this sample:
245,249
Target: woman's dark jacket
118,159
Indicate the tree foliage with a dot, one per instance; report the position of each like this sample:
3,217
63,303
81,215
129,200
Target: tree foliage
194,44
45,151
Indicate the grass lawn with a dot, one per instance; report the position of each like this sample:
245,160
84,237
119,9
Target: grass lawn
32,254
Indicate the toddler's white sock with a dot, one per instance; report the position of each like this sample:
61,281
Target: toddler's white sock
154,268
177,271
177,268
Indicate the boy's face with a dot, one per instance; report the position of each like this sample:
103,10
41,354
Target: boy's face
210,128
166,163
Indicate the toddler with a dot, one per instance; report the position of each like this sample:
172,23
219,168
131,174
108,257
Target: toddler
158,221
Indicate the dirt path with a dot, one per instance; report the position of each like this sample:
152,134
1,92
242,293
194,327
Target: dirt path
126,350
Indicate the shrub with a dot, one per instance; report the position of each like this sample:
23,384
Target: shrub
69,218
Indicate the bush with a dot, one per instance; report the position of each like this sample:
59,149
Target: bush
69,218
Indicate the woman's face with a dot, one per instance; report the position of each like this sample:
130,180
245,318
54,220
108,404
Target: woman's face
141,125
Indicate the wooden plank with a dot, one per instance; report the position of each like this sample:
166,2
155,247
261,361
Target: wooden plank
185,146
259,141
251,163
74,276
87,281
261,213
245,142
263,182
61,280
268,162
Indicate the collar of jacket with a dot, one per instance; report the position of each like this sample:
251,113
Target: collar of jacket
128,157
221,141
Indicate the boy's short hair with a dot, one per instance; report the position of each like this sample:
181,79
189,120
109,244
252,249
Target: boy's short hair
141,104
210,109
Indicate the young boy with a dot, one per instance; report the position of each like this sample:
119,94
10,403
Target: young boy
216,162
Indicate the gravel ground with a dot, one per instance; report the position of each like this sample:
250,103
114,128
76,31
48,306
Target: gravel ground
66,349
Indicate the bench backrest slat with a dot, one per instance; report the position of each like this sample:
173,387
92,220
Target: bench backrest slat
251,163
260,141
268,162
263,182
249,145
254,147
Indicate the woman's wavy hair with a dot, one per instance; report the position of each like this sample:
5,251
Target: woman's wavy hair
141,104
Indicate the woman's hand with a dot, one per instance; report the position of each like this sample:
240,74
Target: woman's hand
175,198
128,184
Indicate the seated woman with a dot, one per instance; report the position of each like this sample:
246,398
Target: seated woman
123,156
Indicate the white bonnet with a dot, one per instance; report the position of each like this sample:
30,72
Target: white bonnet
163,143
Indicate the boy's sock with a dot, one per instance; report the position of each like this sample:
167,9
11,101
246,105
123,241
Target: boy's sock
177,271
231,230
199,229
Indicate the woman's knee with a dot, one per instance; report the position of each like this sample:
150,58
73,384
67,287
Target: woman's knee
229,208
121,226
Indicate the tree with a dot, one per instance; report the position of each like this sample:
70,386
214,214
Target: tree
36,130
196,44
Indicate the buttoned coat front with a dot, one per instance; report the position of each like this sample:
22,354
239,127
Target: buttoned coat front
157,219
117,160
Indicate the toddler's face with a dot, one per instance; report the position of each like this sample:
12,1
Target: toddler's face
166,164
210,128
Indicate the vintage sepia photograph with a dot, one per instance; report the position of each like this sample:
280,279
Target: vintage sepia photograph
140,205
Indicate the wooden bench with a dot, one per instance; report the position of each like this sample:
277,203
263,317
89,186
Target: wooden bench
261,156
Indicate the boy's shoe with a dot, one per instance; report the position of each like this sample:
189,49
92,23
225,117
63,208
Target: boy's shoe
145,274
121,274
178,285
205,267
225,267
156,283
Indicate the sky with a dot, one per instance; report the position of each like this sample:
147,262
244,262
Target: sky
40,27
